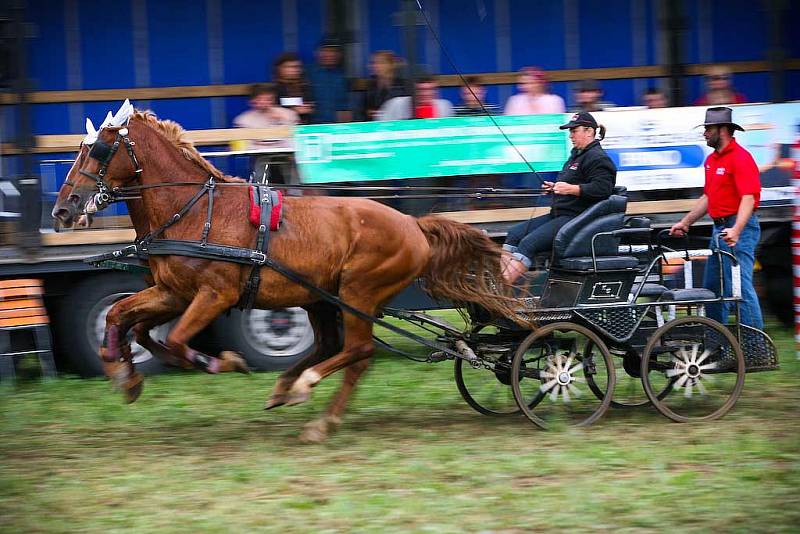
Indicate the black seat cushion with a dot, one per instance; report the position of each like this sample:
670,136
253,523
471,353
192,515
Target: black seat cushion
604,263
574,239
697,293
649,290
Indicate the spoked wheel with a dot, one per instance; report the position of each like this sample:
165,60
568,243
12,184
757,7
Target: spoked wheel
487,391
700,365
551,368
628,393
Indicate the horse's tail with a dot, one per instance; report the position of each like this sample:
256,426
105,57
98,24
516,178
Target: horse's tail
465,267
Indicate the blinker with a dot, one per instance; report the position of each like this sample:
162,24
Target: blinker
101,152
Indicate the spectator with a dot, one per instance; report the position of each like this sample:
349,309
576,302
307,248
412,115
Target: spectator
293,90
428,105
533,96
383,84
588,97
265,112
719,89
654,97
473,99
329,85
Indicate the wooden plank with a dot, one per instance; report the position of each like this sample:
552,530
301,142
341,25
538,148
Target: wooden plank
20,282
71,142
24,321
15,292
89,237
490,78
19,313
21,303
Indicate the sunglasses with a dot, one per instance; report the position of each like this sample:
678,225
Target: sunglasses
718,77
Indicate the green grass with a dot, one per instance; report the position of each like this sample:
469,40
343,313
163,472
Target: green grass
197,454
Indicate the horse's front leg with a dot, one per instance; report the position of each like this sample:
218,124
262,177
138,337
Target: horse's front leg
206,306
115,351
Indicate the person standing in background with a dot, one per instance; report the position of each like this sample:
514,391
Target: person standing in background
429,105
589,97
294,91
533,96
329,85
654,98
719,89
384,83
473,99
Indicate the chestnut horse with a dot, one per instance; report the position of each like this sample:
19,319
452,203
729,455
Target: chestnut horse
362,251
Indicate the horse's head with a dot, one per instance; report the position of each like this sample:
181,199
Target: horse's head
98,173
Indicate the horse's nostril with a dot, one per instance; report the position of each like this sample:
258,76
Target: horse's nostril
75,199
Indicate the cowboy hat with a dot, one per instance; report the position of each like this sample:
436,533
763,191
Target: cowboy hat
720,115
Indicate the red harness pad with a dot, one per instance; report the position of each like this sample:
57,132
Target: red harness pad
274,217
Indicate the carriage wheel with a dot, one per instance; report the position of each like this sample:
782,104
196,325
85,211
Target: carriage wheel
628,393
486,391
699,363
551,367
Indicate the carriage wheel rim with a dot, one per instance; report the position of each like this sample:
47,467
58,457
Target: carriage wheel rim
659,403
605,402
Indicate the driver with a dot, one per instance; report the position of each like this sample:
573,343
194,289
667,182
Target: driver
587,177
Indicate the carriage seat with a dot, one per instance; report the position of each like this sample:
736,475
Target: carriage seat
695,293
572,247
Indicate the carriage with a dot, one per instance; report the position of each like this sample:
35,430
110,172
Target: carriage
609,332
554,353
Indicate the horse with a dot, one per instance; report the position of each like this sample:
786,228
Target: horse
362,251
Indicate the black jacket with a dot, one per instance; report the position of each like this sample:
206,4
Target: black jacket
593,170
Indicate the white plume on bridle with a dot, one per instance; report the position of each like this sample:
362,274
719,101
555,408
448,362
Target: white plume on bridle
121,117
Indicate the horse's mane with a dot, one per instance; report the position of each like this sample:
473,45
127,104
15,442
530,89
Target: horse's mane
174,133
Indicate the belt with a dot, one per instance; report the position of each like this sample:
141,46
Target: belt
722,221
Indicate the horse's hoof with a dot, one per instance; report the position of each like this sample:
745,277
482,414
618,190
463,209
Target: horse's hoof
239,363
133,388
315,432
275,401
297,397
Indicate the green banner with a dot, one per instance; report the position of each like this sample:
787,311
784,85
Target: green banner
430,147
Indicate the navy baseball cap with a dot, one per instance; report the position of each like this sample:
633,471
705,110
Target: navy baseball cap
583,118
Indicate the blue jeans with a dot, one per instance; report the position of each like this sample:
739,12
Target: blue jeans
526,239
745,252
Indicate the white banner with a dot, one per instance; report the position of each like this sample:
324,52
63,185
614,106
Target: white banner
663,149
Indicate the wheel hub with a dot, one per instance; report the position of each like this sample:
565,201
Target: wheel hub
559,377
690,369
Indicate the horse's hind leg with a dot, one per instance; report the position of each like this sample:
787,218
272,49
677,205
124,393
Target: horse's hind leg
324,321
206,306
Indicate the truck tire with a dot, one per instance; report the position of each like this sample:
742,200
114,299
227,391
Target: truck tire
270,340
81,323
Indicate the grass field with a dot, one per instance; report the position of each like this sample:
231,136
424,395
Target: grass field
197,454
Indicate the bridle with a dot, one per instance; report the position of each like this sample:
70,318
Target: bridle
104,153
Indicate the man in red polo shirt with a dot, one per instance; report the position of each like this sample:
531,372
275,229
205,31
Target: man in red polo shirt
730,197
